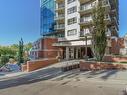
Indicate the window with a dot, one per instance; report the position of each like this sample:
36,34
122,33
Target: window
71,32
47,17
72,10
72,21
70,1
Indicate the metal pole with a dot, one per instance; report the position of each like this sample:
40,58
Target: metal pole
86,48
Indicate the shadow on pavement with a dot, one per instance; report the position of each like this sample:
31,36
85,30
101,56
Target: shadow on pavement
44,74
51,73
109,74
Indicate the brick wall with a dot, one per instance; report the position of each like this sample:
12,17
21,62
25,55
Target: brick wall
37,64
46,50
116,45
100,66
114,59
24,67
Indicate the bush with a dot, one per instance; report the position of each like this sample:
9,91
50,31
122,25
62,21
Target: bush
3,60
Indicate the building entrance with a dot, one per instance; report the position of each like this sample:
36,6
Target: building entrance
76,53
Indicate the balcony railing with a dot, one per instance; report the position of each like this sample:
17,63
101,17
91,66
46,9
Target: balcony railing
115,19
85,7
86,20
105,2
85,33
61,6
84,1
61,16
108,33
60,26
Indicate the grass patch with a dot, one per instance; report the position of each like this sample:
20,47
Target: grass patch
123,62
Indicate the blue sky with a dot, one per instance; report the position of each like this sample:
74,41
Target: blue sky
123,17
21,18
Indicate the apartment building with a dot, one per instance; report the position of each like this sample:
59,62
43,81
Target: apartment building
69,21
75,19
123,50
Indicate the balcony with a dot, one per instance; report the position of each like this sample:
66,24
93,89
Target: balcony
86,21
84,34
85,9
115,21
108,33
59,1
109,43
59,27
106,4
114,31
60,17
114,12
60,7
114,28
85,1
107,19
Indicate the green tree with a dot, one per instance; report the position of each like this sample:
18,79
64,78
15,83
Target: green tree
20,52
3,60
28,46
99,31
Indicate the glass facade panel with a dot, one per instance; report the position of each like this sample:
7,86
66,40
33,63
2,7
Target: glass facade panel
47,17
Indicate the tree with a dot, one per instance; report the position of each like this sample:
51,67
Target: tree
3,60
28,46
99,31
20,52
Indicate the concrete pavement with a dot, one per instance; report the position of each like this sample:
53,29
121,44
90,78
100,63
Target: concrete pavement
52,81
67,87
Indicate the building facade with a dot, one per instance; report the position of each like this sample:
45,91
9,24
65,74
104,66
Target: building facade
74,21
69,21
47,21
123,50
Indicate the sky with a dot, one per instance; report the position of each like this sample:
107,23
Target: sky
21,18
122,17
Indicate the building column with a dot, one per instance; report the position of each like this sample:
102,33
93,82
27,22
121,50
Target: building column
67,53
76,53
72,53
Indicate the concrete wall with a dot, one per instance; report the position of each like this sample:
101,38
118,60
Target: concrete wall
69,16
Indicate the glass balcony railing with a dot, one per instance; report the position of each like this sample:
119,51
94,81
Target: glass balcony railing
60,26
85,7
85,33
85,19
60,6
61,16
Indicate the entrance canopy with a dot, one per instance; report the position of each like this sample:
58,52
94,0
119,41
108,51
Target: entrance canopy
73,43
